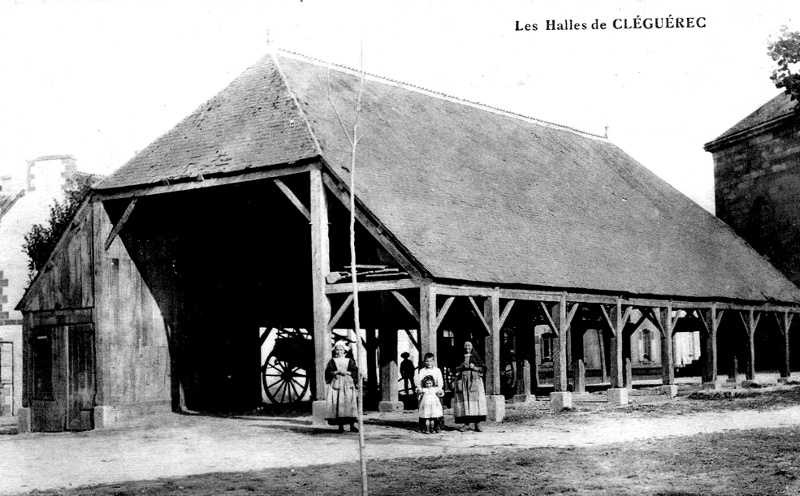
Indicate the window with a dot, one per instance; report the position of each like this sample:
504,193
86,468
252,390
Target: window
646,345
547,347
43,365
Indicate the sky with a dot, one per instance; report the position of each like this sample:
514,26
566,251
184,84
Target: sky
102,79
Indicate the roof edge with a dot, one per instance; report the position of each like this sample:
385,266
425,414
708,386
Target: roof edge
726,140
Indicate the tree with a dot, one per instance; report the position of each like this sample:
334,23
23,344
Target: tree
785,51
42,238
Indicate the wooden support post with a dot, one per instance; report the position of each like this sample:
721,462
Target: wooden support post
577,333
492,315
320,267
558,318
711,319
616,316
534,363
667,344
784,320
522,350
601,345
750,320
372,360
387,337
427,320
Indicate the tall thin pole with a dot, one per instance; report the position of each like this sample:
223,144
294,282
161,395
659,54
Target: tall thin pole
356,318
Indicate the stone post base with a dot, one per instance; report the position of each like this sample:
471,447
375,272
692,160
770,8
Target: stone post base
318,413
783,380
390,406
524,398
24,420
496,407
618,396
751,384
560,401
104,417
712,386
670,390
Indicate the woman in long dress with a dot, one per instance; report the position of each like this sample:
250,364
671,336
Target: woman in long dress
469,399
341,375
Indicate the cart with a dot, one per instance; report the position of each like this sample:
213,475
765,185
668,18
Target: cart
286,373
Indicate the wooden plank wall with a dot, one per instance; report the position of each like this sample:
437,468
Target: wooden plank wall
68,279
133,366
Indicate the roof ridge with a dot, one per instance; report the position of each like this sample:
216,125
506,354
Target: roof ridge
442,94
296,103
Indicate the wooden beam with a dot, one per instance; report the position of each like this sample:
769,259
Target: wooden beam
443,311
340,312
394,285
506,311
480,315
120,224
381,235
192,184
404,302
292,198
412,339
548,314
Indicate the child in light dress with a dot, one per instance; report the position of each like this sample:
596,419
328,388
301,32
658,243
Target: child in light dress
430,407
430,369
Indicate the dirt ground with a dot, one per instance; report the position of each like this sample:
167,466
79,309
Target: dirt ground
180,445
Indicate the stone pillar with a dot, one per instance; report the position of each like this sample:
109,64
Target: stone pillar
390,372
579,376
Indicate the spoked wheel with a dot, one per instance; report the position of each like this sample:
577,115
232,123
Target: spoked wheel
283,383
509,378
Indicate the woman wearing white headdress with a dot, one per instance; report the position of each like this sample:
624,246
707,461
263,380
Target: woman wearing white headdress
341,375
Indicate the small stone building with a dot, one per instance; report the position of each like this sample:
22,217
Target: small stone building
473,223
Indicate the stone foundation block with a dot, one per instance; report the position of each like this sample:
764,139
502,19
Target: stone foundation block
24,420
670,390
318,413
560,400
712,386
496,407
104,417
524,398
390,406
618,396
783,380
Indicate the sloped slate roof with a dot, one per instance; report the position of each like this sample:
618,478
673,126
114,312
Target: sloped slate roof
473,194
780,106
253,123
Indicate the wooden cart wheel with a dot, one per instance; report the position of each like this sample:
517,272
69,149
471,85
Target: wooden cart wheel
283,382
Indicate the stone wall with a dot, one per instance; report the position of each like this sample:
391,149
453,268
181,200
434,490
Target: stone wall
758,191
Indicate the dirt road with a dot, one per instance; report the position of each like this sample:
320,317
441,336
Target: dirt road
177,445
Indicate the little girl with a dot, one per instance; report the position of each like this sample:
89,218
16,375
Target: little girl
430,407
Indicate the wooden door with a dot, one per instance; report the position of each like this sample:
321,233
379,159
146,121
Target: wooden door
81,390
48,394
63,378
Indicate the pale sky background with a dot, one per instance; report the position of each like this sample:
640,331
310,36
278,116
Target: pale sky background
102,79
